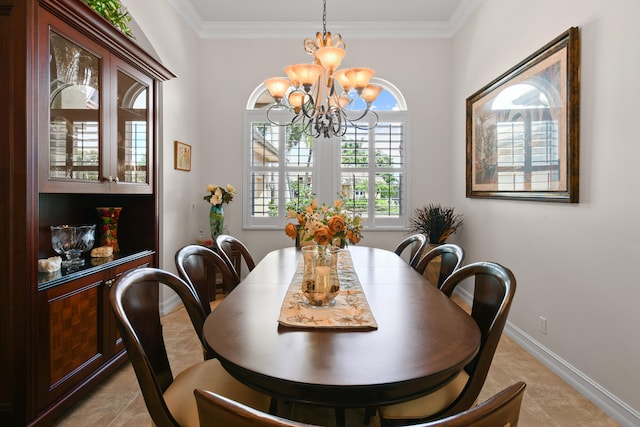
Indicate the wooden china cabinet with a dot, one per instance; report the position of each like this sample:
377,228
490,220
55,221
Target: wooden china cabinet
78,130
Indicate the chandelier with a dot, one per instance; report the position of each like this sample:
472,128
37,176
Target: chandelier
322,97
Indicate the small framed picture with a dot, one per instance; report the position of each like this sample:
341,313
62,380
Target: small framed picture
182,156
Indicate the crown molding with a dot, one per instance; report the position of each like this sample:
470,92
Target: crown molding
284,30
351,30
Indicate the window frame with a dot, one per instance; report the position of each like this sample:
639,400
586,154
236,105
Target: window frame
326,151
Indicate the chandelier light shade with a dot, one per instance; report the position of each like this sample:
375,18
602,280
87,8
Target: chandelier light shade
320,95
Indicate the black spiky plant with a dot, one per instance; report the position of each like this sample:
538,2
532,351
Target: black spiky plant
438,223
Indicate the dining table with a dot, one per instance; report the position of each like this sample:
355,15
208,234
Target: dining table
419,341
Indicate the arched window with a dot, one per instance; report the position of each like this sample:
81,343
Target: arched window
285,169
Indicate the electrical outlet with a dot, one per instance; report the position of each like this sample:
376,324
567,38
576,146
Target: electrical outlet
542,325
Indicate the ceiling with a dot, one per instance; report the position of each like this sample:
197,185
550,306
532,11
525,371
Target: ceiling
291,18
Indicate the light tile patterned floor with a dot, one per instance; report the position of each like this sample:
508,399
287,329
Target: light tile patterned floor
548,400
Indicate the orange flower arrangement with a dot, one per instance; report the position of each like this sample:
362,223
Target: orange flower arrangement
325,225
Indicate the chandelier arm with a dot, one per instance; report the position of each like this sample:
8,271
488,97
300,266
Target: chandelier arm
308,129
273,122
367,127
360,117
312,112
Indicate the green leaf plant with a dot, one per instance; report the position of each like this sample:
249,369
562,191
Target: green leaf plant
114,12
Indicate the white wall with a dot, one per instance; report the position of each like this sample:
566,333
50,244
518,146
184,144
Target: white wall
575,264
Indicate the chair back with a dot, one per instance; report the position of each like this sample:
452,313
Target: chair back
501,409
494,288
450,257
135,301
226,244
215,410
198,265
417,243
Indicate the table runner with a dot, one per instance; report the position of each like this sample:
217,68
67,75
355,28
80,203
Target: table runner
351,310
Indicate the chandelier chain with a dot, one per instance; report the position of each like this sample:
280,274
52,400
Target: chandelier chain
324,17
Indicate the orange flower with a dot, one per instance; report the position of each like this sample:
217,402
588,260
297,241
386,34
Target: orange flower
353,238
291,230
338,204
322,236
301,219
336,224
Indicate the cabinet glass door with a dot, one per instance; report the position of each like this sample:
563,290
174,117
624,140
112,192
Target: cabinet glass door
74,128
132,133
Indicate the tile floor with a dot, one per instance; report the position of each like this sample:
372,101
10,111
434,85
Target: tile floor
548,400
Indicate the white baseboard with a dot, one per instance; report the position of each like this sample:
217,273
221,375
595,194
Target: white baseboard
605,400
168,304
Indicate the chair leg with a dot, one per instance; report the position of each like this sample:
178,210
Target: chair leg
340,418
273,406
368,414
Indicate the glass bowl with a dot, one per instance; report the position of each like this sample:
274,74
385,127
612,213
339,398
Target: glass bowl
72,241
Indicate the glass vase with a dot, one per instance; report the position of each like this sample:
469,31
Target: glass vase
320,284
216,220
109,217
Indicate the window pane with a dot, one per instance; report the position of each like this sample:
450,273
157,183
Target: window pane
299,147
355,148
388,145
299,191
264,194
388,195
355,190
264,143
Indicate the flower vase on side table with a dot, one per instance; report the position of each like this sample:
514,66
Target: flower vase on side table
216,220
109,217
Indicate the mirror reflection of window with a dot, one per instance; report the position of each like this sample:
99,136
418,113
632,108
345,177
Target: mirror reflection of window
74,136
132,130
525,130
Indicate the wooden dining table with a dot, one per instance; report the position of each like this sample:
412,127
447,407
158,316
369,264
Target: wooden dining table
422,341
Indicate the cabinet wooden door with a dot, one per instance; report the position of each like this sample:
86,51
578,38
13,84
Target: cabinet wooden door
131,156
71,327
95,132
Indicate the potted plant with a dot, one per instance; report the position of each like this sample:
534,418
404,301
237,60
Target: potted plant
436,222
114,12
